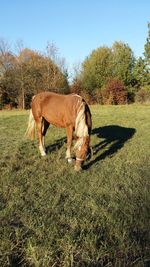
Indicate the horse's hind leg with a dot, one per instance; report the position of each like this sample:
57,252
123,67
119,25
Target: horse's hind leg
40,136
45,125
69,132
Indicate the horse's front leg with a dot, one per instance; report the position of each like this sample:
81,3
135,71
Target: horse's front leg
69,132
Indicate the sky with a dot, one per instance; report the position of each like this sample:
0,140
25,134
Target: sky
76,27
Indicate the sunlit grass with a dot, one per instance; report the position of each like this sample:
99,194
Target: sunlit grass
53,216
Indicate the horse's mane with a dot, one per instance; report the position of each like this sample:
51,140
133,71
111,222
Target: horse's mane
81,128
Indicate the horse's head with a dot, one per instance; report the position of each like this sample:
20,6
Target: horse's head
83,146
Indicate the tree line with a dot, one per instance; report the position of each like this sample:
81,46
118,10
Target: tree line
28,72
113,75
109,75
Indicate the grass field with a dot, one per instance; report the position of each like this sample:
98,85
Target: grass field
51,216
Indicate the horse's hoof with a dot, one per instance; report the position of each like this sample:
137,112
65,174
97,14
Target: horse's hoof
69,160
43,154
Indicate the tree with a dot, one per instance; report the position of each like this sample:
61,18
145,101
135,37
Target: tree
26,73
56,76
5,56
122,63
96,69
104,64
140,73
7,80
147,55
147,49
33,68
76,86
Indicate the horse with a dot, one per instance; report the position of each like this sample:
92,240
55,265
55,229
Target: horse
65,111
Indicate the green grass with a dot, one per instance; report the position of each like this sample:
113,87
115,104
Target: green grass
53,216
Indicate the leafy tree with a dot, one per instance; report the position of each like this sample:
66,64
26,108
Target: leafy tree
147,56
147,49
25,74
8,84
96,69
140,73
7,80
122,63
107,63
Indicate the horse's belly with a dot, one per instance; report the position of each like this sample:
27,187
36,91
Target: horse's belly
59,125
58,121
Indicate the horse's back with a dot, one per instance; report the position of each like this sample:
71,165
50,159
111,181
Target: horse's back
44,98
57,109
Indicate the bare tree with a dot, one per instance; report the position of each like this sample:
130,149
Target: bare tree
5,53
51,54
19,48
56,66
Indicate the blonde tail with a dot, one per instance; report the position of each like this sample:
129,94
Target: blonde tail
31,129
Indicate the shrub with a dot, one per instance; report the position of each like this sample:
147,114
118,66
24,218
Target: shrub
114,93
76,86
142,96
98,96
131,95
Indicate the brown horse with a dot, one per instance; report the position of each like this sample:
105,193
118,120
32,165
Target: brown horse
66,111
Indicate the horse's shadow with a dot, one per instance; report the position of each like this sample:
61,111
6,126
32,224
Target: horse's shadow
55,146
114,137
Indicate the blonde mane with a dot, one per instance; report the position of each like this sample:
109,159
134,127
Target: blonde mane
81,129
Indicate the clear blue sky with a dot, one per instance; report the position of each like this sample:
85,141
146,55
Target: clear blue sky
75,26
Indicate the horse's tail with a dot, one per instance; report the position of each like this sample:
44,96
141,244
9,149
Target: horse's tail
31,129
